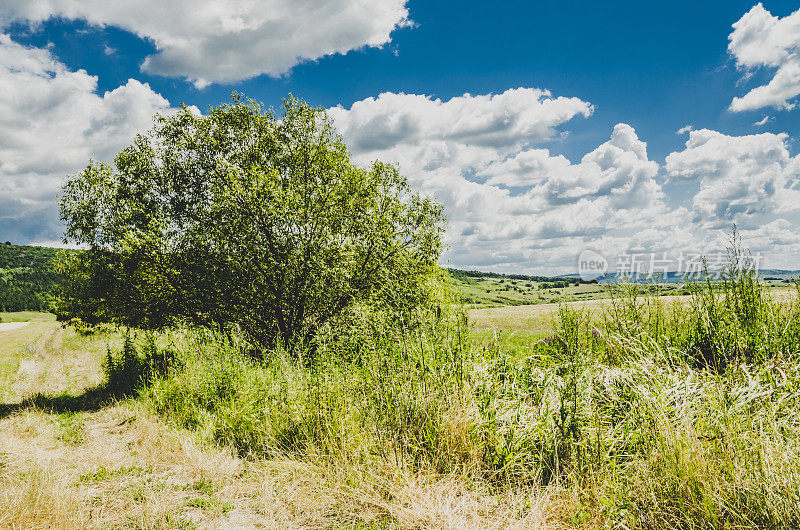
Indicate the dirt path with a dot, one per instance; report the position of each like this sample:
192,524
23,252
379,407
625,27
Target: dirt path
44,358
76,467
115,467
34,359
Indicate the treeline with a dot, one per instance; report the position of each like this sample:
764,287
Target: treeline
552,279
27,277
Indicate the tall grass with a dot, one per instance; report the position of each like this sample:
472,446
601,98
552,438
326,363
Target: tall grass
649,415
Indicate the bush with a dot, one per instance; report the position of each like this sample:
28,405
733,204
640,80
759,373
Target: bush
736,319
136,366
381,396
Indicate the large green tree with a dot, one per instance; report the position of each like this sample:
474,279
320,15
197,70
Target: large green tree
249,217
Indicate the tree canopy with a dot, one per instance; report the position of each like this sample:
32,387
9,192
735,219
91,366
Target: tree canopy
248,217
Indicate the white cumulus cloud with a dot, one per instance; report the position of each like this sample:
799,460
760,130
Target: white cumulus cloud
760,39
52,121
511,204
214,41
741,178
514,204
618,171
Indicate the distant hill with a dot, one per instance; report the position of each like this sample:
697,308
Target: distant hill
27,277
495,289
780,274
480,274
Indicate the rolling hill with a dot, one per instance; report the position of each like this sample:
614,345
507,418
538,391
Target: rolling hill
27,277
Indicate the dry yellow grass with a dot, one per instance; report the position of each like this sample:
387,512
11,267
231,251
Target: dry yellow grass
132,471
122,467
447,503
126,470
528,318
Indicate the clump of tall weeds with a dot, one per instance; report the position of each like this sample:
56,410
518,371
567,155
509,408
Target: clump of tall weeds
735,319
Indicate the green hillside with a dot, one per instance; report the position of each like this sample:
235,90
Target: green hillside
27,277
486,289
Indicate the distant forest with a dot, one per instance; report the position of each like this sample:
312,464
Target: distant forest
27,277
456,273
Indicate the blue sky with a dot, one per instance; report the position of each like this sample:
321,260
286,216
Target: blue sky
529,181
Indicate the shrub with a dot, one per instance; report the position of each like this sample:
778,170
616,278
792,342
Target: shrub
137,365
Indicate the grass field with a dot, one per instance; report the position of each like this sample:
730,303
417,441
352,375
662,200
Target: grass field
72,455
540,318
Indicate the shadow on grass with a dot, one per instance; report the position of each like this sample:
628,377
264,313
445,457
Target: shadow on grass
90,400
